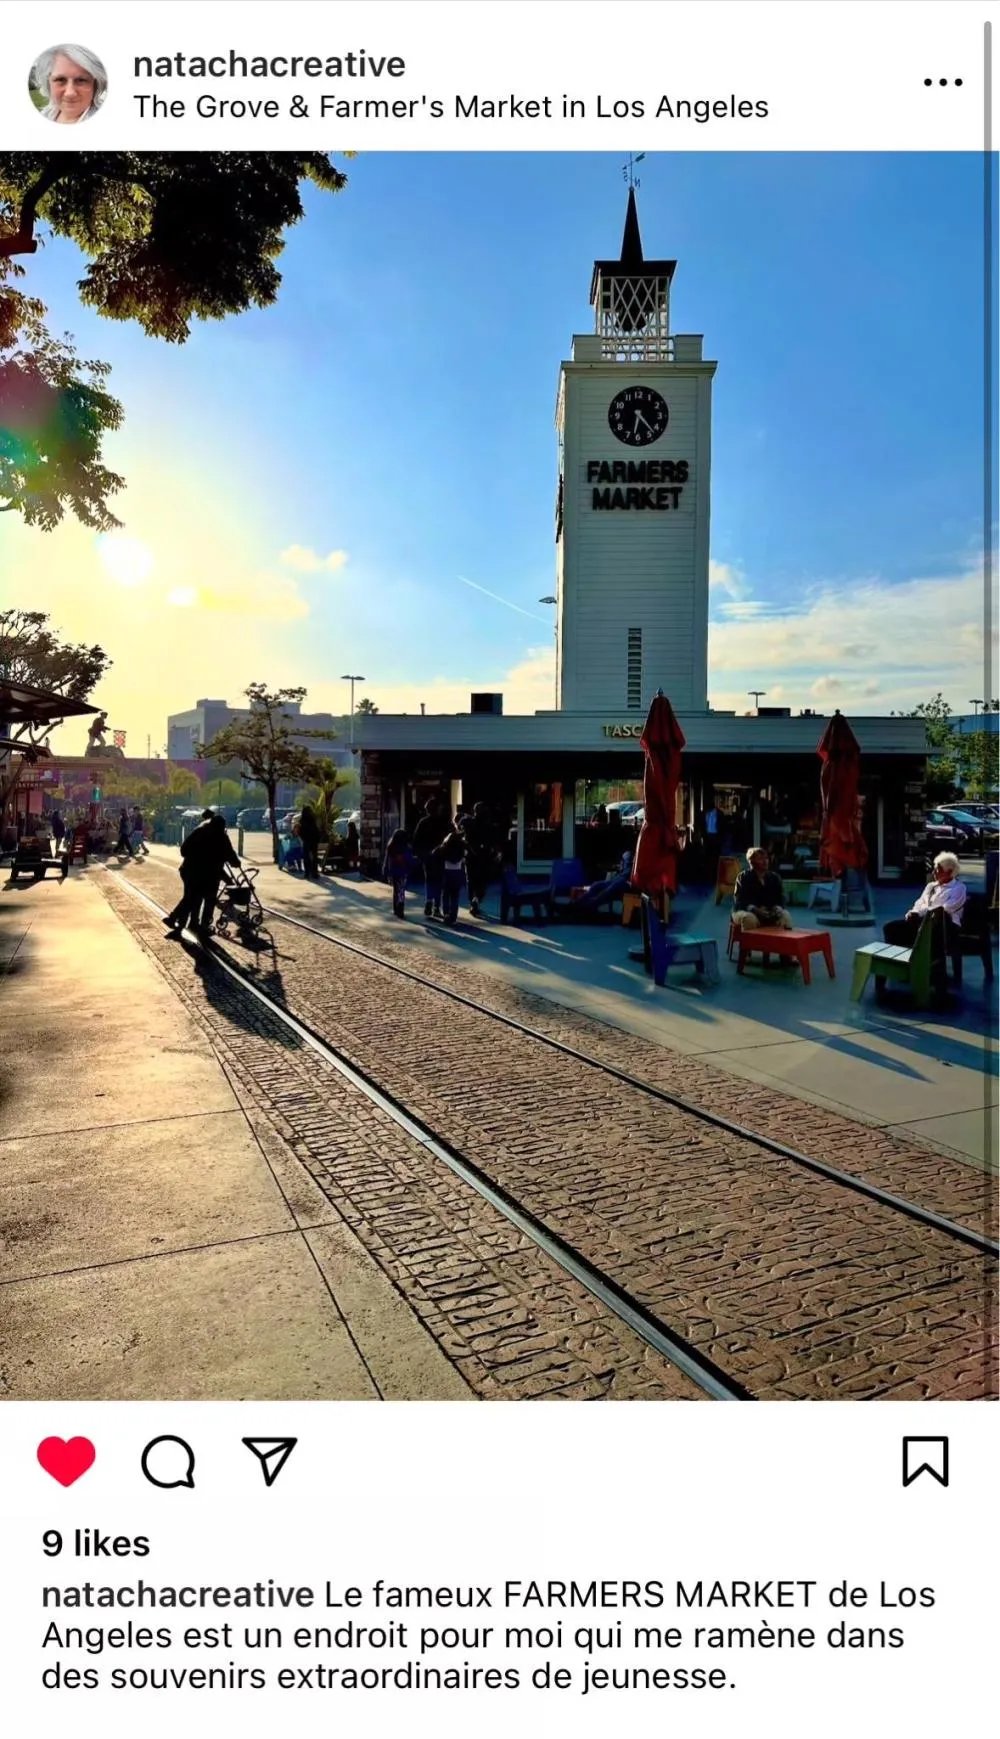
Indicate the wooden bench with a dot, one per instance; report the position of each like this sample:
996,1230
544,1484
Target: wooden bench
888,963
661,949
787,944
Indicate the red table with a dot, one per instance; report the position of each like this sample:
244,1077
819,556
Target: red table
792,944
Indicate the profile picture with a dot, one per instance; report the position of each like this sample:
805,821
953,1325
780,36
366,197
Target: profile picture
68,83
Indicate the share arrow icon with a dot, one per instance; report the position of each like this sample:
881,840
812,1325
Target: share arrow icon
272,1453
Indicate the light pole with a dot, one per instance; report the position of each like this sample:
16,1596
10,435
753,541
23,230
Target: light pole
757,695
352,680
977,704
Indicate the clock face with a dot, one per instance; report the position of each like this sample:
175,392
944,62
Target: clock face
638,415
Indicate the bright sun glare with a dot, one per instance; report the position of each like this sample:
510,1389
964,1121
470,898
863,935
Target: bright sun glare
126,559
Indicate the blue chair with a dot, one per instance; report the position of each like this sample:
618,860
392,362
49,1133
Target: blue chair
663,948
515,894
567,873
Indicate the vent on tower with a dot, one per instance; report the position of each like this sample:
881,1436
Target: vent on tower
633,671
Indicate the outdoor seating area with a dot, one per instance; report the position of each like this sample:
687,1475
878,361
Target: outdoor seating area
32,859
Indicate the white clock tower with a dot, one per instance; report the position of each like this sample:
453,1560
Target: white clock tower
634,422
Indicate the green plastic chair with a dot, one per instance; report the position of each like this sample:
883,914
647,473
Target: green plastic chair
887,963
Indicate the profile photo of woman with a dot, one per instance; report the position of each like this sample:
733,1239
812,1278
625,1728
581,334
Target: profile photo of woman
68,83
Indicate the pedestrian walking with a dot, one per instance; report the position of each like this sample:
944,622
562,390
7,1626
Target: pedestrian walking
309,835
432,828
397,866
204,853
137,836
58,829
123,846
452,853
481,854
352,846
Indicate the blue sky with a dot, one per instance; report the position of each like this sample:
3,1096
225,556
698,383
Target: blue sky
309,484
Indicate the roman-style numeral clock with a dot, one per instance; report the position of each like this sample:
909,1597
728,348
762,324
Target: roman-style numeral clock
632,522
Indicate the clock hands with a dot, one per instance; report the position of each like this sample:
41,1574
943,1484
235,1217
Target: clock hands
639,418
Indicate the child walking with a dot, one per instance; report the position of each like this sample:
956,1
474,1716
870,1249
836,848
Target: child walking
452,854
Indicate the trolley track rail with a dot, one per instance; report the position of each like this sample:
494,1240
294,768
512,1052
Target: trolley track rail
702,1371
847,1180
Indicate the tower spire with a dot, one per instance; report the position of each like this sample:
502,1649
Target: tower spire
631,239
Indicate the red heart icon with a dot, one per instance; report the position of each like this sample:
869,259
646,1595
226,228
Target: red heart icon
66,1461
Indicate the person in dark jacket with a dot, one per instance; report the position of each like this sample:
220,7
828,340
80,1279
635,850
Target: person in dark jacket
758,898
452,854
203,855
309,835
433,827
58,829
123,847
352,846
397,866
480,854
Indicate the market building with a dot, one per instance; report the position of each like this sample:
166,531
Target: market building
633,498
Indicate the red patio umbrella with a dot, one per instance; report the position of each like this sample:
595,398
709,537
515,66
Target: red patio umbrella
842,844
654,867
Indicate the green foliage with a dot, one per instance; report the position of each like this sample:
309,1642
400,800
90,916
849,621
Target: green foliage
366,707
262,742
55,416
32,653
171,236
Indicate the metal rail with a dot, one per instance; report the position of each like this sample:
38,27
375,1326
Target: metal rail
643,1322
846,1179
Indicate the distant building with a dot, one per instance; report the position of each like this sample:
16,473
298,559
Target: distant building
187,731
966,724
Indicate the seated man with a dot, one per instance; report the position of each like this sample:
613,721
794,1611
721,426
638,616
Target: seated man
946,895
758,897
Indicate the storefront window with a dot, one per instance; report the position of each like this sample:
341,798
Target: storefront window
543,823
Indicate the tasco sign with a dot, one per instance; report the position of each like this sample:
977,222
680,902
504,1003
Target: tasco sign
636,483
630,730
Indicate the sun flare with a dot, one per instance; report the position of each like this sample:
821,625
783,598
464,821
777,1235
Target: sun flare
127,560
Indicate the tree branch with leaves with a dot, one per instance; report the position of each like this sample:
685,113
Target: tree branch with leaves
263,742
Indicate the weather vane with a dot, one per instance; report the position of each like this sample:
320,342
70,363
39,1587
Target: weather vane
628,169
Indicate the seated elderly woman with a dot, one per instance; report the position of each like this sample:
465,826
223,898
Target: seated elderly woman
72,80
944,894
758,897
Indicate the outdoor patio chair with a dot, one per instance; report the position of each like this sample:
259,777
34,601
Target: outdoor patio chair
567,873
515,894
972,937
663,948
888,964
828,891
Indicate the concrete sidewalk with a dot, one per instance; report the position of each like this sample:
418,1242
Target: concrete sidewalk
157,1240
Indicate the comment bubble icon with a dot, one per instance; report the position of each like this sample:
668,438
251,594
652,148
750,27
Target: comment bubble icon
168,1462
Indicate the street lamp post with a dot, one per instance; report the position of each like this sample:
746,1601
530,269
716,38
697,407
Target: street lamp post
757,695
352,680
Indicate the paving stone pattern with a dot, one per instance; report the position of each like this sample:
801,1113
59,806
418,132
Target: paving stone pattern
511,1321
797,1287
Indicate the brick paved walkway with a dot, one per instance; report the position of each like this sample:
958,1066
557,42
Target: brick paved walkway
793,1285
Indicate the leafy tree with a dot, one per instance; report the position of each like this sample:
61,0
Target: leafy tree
322,794
170,238
943,742
181,782
32,653
978,755
366,706
263,742
55,413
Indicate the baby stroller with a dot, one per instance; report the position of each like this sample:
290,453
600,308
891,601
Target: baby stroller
238,909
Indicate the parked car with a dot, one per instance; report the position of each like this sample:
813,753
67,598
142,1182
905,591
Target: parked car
252,820
970,826
629,814
942,832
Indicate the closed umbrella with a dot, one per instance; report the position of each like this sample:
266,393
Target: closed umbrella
842,845
654,868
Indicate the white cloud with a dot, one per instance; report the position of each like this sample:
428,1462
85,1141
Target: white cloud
303,560
854,641
727,577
